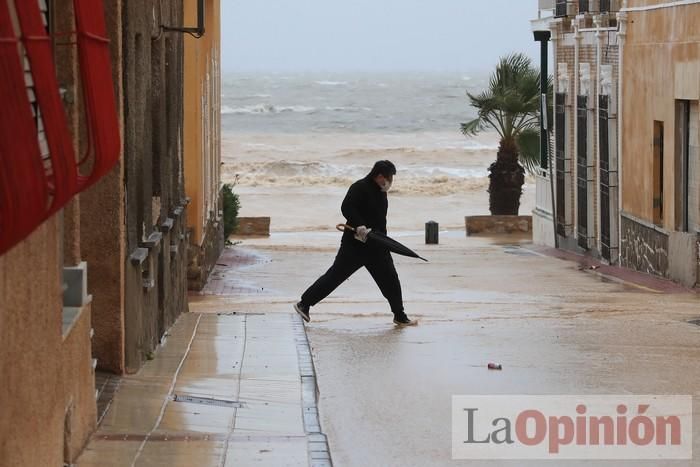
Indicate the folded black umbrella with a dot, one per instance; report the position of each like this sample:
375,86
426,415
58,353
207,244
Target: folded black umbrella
379,238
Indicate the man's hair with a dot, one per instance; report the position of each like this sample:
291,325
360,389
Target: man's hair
385,168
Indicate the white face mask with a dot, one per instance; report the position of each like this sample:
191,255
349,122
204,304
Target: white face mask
387,186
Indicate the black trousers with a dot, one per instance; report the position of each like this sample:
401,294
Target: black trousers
351,257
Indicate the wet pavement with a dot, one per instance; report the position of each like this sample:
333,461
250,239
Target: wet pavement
227,388
385,393
556,327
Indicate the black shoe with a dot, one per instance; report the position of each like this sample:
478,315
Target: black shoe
303,311
403,320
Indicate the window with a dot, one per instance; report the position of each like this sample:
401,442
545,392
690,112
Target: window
582,172
560,161
682,165
658,199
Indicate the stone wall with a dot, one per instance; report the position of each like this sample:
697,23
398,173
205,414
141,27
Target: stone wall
202,258
644,248
155,237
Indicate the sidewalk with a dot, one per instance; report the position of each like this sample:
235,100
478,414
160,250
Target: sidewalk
225,389
615,273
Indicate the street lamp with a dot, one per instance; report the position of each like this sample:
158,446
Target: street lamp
543,38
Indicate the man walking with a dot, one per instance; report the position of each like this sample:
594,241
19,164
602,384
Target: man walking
365,208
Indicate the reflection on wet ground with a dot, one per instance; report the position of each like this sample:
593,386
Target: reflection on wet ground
557,327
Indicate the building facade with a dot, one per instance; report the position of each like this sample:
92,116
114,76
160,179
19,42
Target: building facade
134,234
202,140
661,133
48,391
628,68
585,39
94,280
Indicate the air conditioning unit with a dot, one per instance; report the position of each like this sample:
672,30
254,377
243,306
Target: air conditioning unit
546,4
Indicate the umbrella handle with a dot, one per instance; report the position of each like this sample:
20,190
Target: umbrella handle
342,227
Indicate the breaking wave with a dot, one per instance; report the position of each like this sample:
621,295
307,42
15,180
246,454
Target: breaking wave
266,109
413,179
331,83
349,109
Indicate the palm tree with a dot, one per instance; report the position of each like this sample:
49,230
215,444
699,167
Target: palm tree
511,106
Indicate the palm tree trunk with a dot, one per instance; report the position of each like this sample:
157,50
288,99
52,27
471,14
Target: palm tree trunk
506,181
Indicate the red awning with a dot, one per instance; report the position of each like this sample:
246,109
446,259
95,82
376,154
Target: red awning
33,186
98,87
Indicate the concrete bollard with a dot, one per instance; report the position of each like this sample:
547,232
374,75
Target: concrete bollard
431,233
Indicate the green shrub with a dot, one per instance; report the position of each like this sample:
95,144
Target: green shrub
231,207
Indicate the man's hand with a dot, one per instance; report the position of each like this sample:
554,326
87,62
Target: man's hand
361,233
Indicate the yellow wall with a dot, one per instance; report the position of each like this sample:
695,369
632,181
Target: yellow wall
661,64
202,105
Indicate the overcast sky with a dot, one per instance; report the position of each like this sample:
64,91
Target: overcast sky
373,35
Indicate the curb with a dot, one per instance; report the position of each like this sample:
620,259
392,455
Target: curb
618,274
319,452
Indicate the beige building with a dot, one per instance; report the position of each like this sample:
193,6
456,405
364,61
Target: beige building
96,283
629,68
47,398
661,139
202,145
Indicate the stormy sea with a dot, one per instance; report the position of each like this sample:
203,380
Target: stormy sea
293,143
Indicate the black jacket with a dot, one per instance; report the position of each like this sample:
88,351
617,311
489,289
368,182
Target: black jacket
365,204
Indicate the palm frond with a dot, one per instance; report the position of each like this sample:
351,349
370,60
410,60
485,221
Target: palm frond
472,128
511,102
528,141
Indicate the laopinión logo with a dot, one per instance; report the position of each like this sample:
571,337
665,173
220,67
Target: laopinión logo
572,427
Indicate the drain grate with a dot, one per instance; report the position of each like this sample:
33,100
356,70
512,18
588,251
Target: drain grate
239,313
208,401
510,250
